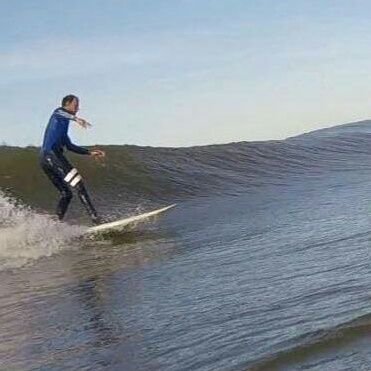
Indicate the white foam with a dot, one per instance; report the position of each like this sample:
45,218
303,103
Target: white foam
26,235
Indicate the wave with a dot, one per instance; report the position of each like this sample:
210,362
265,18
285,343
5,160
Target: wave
301,348
135,175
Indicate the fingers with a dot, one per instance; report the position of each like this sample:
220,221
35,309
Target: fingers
99,156
83,123
98,153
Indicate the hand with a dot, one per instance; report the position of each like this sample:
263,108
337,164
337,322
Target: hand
83,123
97,153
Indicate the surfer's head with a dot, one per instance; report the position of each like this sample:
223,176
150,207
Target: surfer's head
71,103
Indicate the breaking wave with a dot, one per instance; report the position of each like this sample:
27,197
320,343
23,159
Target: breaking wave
26,235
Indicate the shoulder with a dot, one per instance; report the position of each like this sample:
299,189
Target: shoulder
57,121
62,113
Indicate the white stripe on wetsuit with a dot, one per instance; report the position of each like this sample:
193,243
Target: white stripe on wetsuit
75,180
73,177
70,175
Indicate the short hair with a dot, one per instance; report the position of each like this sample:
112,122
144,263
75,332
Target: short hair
68,99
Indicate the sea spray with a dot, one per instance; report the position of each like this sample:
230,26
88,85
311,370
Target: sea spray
26,235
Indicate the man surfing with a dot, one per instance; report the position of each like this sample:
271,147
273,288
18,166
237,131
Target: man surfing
55,165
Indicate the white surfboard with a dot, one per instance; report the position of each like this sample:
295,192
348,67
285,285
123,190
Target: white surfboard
120,224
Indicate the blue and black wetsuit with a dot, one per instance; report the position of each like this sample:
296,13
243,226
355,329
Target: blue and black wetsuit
61,173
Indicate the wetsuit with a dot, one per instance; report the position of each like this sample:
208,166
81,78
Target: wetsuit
61,173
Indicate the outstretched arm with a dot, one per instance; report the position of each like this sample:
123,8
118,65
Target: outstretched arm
96,153
83,123
63,113
74,148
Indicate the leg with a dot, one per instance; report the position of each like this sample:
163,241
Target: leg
55,173
64,201
74,179
68,176
85,200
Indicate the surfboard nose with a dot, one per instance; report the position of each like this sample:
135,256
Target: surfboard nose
120,224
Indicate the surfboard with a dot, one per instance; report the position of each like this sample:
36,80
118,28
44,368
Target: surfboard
119,225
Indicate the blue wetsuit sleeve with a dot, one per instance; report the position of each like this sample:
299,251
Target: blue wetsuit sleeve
61,112
74,148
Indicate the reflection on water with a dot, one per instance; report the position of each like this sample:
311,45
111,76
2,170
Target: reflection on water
61,308
276,279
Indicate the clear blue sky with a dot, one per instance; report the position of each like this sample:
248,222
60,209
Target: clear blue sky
184,72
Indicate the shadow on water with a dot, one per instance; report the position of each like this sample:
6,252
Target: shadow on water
115,238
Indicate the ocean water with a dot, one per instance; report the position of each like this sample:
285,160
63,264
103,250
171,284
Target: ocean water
263,265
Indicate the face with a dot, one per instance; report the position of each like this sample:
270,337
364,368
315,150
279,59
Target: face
72,106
